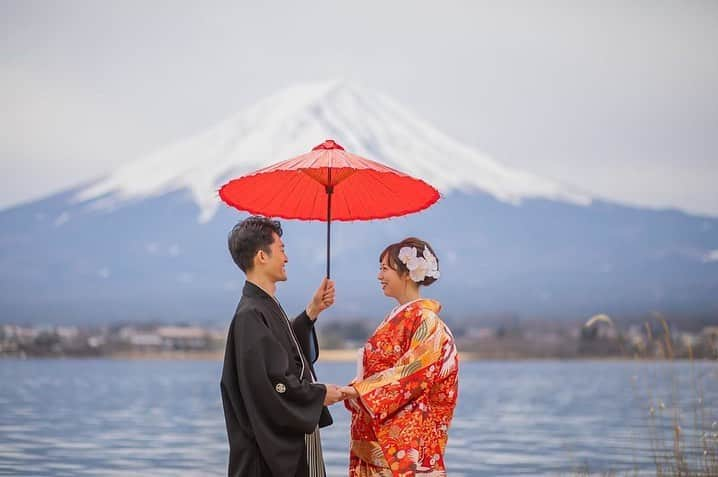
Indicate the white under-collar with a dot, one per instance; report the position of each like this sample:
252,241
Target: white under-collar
399,308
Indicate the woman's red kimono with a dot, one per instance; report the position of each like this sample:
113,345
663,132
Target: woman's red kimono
408,386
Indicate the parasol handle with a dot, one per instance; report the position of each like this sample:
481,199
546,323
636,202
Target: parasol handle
330,191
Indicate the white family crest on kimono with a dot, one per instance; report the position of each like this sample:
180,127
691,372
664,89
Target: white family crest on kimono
419,267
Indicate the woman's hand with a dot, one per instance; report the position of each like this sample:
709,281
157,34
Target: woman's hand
334,394
349,392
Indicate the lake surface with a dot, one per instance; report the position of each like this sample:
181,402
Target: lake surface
164,418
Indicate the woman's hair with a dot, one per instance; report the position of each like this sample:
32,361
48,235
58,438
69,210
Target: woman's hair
249,237
392,254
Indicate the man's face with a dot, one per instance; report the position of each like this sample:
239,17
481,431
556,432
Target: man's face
274,266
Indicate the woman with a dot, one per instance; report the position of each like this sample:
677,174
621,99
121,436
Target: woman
404,395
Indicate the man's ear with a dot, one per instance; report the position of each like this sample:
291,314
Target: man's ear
260,257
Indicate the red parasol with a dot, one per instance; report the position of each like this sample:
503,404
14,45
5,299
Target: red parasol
328,183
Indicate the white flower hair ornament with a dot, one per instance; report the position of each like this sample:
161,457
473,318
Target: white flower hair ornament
419,267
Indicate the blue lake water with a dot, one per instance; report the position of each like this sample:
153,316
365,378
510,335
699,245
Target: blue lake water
164,418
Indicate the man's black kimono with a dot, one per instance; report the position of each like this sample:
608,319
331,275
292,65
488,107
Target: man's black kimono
269,405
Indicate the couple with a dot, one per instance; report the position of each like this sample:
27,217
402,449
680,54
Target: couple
402,399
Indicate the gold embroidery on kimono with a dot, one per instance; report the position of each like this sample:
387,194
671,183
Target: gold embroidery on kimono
408,386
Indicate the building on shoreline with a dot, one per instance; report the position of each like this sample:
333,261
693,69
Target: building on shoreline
516,340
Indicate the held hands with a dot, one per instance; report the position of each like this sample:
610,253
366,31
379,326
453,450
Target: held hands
338,393
349,392
323,298
334,394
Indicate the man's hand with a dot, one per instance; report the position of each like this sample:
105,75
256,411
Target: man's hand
323,298
334,394
349,392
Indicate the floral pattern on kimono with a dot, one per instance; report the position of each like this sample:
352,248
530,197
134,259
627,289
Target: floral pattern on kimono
408,387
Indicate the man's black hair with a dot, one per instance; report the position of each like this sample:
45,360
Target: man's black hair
249,237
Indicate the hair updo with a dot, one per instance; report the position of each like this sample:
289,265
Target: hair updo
392,254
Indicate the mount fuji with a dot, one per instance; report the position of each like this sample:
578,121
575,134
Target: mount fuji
148,241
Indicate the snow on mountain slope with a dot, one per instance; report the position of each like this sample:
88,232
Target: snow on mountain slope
294,120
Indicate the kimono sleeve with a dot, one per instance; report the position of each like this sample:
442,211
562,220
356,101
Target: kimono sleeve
385,392
278,402
303,327
306,334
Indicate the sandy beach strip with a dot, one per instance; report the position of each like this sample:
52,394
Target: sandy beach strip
325,355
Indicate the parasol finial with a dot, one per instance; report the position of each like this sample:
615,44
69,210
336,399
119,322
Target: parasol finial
328,144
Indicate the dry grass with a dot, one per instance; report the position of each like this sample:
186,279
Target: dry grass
681,445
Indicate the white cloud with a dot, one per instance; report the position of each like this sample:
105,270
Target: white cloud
711,256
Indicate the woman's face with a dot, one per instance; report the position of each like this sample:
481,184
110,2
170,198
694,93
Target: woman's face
392,284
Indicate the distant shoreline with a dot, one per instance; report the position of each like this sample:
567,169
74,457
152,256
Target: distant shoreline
330,356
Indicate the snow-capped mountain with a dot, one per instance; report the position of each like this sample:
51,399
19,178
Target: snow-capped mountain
296,119
149,240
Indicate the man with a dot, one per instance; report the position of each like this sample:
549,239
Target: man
273,406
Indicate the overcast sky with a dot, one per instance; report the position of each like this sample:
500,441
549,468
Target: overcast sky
619,99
